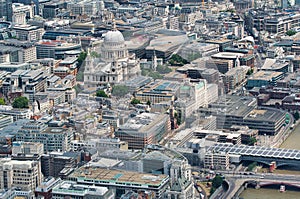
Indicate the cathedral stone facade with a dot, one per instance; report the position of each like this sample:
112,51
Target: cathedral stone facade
114,64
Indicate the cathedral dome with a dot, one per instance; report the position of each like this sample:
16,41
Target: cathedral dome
114,36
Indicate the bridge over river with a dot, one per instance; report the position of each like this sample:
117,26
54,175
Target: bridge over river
237,183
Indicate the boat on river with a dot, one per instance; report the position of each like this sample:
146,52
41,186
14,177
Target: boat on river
282,188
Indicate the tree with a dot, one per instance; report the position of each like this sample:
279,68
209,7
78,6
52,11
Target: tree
163,69
178,118
101,93
252,141
296,115
177,60
230,10
249,72
2,101
145,72
155,75
81,58
252,166
217,181
212,190
94,54
135,101
79,76
193,56
119,90
148,103
291,32
20,102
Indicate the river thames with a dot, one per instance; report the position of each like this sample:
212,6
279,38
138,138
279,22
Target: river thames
292,142
263,193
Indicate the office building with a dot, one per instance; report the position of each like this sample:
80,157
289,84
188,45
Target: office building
281,24
144,129
5,120
28,32
223,66
164,45
78,191
85,7
12,67
23,174
121,181
6,10
234,110
218,136
26,50
276,66
237,58
132,194
27,81
57,164
16,193
57,49
8,54
219,161
17,114
158,91
52,9
196,50
222,43
264,78
79,34
33,148
100,144
21,12
46,186
234,77
54,139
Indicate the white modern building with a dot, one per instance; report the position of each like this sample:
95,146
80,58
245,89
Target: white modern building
72,190
23,174
216,161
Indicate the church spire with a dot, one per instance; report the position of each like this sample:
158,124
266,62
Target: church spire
114,26
154,60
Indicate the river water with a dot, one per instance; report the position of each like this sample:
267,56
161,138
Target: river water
264,193
292,142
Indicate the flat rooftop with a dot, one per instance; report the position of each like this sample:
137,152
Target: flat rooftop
273,64
218,41
161,87
234,105
265,75
26,27
262,115
70,188
143,122
119,176
7,49
164,43
227,55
